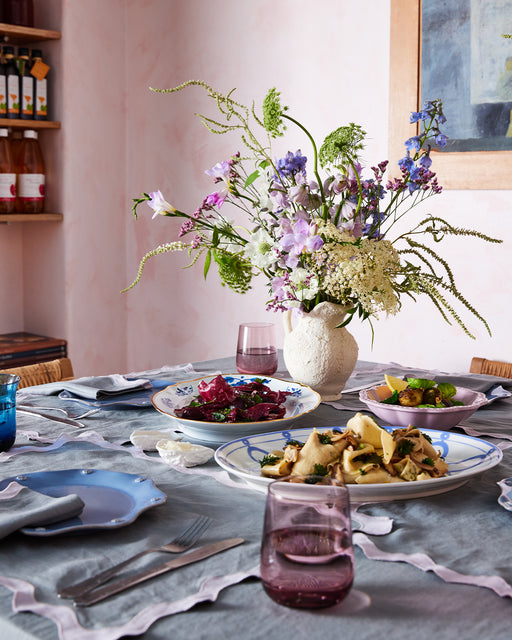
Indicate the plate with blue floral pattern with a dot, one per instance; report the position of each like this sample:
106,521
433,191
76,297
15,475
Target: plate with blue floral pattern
302,400
466,457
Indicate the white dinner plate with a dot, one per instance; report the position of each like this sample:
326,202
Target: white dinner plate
466,457
111,499
302,400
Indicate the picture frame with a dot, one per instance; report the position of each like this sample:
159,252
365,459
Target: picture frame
455,170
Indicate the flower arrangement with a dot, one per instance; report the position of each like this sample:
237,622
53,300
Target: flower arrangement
315,237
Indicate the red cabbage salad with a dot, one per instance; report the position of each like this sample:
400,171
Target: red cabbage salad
218,401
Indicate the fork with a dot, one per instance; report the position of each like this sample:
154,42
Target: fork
85,414
179,544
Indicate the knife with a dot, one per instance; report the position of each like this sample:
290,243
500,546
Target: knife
73,423
92,597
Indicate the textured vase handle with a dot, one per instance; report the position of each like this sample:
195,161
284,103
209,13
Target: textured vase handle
287,321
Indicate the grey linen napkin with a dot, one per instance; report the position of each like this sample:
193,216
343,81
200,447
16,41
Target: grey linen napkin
21,507
93,388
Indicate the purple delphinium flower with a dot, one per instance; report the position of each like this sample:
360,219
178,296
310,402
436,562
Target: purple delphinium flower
441,139
291,164
413,143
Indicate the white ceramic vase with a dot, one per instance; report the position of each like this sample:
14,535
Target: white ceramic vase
317,353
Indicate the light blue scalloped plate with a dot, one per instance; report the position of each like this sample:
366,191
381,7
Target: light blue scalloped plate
505,499
112,499
466,457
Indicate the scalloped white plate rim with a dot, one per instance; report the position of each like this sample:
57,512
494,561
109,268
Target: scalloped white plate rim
479,400
480,455
218,431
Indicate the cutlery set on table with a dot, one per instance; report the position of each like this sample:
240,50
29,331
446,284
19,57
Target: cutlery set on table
90,591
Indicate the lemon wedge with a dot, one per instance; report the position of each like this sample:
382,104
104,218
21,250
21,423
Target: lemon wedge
395,384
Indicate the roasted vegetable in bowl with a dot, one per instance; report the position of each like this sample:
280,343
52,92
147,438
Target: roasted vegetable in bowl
419,392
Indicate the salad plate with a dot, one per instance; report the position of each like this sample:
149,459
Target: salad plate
466,457
112,499
302,400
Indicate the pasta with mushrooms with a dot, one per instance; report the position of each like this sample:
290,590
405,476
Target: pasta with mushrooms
364,453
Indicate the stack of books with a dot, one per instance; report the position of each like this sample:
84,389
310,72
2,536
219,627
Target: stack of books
20,348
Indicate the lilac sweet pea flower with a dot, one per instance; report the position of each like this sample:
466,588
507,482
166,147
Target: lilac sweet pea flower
302,238
159,204
217,199
220,171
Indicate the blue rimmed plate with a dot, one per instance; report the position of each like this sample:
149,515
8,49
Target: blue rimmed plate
302,400
112,499
466,457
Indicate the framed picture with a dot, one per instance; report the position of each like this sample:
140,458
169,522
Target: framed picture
455,51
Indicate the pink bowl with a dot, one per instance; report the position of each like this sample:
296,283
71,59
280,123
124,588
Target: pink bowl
396,415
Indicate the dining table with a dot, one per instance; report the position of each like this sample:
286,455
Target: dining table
438,566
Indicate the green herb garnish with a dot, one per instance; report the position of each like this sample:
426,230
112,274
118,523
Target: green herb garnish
320,470
324,438
369,458
393,398
405,447
269,459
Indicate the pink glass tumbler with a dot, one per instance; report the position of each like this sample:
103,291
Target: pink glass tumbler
256,351
307,558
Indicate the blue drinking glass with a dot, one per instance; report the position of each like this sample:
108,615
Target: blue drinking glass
8,385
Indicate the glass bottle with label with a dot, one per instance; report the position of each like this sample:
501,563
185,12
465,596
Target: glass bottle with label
15,138
3,88
13,83
39,72
26,84
30,172
7,175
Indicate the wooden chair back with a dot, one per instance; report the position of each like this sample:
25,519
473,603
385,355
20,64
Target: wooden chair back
43,372
491,367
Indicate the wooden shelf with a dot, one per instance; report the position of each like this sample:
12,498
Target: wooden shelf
19,35
30,217
18,123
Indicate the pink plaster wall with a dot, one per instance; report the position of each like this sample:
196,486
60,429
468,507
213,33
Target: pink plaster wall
299,46
330,61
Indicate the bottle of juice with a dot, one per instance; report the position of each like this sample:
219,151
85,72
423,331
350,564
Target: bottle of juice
3,88
7,175
30,172
13,83
26,84
39,71
15,138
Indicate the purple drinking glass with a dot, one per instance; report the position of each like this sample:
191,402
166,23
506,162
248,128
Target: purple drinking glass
307,558
256,351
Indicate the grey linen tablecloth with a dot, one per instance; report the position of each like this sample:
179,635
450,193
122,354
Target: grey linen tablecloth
465,531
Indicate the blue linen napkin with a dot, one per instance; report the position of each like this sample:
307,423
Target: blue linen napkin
21,507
